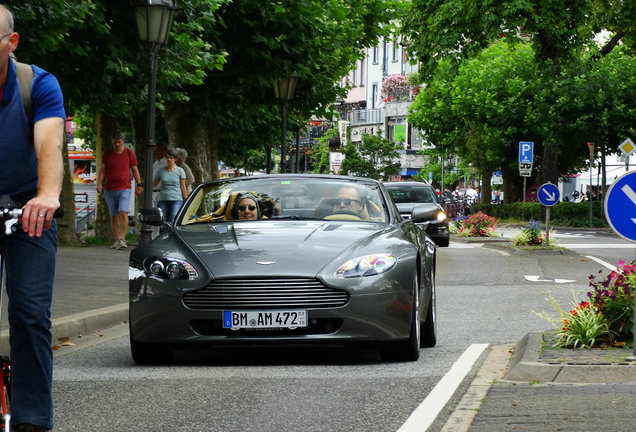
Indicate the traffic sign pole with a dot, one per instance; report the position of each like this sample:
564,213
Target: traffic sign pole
590,145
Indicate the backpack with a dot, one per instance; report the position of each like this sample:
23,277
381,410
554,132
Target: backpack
25,77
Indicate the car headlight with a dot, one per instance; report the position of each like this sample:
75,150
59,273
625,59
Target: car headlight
441,216
368,265
171,268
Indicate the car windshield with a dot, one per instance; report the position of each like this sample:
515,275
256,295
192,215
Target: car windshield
412,194
285,197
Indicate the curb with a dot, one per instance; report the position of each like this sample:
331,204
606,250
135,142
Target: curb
79,324
526,366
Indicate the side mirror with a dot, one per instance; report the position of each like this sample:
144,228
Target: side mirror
424,214
151,216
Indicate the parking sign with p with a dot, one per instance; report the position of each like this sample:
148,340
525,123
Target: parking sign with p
525,151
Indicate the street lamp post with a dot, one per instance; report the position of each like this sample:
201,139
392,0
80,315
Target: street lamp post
284,90
154,18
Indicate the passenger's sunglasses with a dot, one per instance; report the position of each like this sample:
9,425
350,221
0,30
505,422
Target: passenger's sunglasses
251,207
348,201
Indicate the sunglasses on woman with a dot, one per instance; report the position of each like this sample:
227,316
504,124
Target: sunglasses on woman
251,207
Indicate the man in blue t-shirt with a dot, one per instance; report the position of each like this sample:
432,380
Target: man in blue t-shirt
31,171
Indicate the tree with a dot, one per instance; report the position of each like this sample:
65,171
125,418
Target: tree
215,76
375,157
456,30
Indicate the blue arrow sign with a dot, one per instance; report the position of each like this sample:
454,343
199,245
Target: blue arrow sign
548,194
620,206
525,152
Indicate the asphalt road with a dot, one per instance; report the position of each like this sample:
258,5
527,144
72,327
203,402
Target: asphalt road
484,296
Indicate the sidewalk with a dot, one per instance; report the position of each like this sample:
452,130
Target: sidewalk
91,292
532,387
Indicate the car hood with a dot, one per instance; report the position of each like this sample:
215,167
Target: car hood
274,248
408,207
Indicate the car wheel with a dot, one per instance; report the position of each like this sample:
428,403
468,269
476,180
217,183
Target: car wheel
444,242
145,354
429,327
408,350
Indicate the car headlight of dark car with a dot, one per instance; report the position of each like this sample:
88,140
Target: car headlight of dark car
441,216
170,268
368,265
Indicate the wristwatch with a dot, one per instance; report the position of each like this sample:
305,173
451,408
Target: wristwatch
140,184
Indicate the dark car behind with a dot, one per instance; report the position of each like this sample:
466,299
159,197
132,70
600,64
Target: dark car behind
409,195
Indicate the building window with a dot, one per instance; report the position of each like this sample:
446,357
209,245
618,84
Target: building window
374,93
374,55
355,78
396,52
362,73
396,129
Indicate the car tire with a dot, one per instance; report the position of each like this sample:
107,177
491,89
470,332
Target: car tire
408,350
429,327
147,354
444,242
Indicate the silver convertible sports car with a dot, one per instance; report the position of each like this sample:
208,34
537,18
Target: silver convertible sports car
284,259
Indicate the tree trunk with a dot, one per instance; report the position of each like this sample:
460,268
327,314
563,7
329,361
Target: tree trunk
549,167
105,127
214,131
186,130
486,188
66,232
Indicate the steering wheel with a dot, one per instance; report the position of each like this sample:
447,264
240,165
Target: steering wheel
349,215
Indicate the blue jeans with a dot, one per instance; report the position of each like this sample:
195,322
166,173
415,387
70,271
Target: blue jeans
30,272
169,209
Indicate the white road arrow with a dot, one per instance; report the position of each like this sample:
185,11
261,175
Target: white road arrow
631,195
533,278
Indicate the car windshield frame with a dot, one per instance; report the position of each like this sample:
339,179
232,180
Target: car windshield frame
286,197
408,193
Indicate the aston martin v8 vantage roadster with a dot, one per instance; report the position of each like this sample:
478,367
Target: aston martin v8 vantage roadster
284,259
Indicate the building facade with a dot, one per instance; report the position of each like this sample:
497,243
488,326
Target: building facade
379,99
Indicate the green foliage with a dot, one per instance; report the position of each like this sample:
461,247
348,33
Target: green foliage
490,84
375,157
320,156
563,214
532,235
614,299
581,327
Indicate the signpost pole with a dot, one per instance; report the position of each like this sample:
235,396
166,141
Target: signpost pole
547,226
524,188
591,147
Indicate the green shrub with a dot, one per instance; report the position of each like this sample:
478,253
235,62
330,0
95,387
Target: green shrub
563,214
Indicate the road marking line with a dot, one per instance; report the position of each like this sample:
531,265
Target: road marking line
426,413
601,262
596,246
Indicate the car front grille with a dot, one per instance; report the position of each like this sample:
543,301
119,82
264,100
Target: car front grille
265,294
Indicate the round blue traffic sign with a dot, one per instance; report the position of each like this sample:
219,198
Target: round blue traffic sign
548,194
620,206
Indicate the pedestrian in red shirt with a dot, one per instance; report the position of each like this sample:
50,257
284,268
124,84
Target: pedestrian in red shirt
117,164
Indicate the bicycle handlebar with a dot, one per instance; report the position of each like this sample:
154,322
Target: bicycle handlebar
11,212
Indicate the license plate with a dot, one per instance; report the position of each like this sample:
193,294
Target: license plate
264,319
